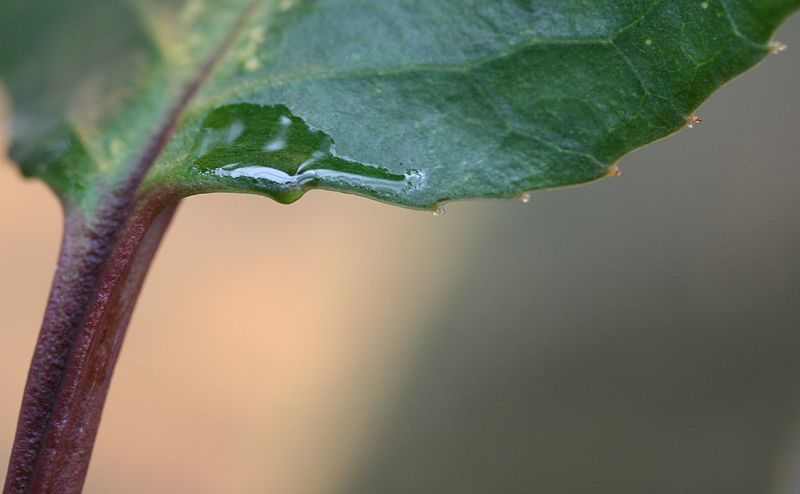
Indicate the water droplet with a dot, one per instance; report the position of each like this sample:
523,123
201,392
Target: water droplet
704,5
277,153
439,211
614,171
525,197
693,120
251,64
648,42
256,34
776,47
116,147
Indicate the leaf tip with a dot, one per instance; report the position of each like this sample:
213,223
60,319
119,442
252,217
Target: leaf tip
775,47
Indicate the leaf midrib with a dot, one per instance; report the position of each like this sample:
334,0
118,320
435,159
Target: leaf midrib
158,140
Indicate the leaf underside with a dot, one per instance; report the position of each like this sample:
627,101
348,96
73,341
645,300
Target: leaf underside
405,101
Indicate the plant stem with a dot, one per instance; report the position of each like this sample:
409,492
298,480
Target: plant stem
100,272
101,268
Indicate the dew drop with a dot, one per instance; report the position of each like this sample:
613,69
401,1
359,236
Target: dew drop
116,147
439,211
693,120
776,47
251,64
270,150
614,171
524,198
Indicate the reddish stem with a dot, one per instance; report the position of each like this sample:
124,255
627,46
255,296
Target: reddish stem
101,268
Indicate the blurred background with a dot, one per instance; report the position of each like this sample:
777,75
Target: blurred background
639,334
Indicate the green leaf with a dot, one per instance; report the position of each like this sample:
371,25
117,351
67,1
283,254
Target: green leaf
405,101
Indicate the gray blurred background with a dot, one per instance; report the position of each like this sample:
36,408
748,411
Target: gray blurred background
639,334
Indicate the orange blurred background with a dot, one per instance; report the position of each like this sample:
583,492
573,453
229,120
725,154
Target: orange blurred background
266,345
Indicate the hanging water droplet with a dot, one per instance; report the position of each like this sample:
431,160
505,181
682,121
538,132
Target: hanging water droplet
776,47
524,198
251,64
614,171
693,120
439,211
266,148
